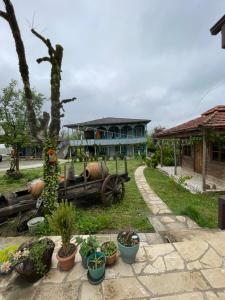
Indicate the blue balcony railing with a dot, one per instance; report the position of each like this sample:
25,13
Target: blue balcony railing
108,142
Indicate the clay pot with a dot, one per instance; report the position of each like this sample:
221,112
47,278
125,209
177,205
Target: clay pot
110,260
96,170
36,187
66,263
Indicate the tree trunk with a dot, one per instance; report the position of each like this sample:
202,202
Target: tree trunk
10,16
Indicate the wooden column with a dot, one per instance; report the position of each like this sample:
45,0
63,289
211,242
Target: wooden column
204,160
175,157
161,153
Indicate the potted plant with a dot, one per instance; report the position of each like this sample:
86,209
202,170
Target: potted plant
128,244
33,259
62,223
88,246
110,250
96,267
6,255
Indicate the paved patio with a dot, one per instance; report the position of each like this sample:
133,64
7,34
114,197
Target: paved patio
181,270
195,183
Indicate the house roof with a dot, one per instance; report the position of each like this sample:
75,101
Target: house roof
108,121
212,118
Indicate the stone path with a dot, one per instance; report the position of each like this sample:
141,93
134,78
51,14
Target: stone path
182,270
160,215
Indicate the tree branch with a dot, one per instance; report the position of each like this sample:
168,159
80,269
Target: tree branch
45,58
44,40
4,15
68,100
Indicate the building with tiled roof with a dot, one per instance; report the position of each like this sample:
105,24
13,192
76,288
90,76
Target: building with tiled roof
201,143
109,136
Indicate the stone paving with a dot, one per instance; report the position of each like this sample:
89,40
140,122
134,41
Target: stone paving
160,216
194,184
181,270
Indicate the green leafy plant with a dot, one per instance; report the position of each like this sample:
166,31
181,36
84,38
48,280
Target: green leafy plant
109,248
128,238
62,222
89,246
32,255
50,175
6,253
96,262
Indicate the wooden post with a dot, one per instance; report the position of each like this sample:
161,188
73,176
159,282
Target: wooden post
85,175
161,154
133,151
180,153
175,157
125,164
102,170
204,159
116,165
65,183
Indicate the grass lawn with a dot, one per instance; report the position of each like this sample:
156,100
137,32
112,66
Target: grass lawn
92,217
202,208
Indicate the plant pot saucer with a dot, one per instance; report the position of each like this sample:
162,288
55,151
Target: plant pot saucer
95,282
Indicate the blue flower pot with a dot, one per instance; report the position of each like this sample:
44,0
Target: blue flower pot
96,274
128,254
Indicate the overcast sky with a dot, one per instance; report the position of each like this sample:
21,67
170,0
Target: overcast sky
151,59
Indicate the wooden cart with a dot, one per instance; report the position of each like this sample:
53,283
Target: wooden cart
111,189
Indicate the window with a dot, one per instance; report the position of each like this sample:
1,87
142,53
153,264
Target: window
187,150
218,151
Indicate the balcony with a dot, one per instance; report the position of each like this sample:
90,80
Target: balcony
108,142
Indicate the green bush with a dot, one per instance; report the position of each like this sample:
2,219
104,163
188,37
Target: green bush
6,253
89,246
62,222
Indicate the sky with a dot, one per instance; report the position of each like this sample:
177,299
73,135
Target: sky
150,59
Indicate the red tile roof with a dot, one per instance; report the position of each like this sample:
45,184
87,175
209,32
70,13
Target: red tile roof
212,118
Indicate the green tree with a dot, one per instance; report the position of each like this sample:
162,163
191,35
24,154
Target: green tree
14,120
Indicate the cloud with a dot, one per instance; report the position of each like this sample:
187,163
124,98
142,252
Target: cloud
150,59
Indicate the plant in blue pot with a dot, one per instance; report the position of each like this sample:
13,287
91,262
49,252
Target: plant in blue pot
88,246
128,244
96,267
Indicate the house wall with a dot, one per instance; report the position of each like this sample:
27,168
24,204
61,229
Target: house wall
213,168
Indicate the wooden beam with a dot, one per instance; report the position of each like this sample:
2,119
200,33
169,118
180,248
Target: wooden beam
161,153
204,160
175,157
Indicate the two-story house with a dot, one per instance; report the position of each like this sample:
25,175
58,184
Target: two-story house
109,136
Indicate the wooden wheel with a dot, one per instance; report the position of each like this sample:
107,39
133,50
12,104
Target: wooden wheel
112,190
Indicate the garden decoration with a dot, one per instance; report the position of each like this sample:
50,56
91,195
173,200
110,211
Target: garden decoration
88,246
109,186
33,259
34,223
110,250
96,267
128,244
62,222
6,255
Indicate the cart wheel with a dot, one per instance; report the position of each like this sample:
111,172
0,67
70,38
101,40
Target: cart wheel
112,190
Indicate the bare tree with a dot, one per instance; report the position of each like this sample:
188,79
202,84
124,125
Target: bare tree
39,126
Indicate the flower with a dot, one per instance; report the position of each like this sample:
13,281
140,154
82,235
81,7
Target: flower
5,267
21,254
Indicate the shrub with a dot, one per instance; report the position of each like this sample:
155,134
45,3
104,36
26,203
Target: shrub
62,222
89,246
109,248
6,253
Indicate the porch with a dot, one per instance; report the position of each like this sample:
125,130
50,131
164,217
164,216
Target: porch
194,184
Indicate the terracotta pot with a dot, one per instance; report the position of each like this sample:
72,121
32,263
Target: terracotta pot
36,187
96,170
110,260
66,263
